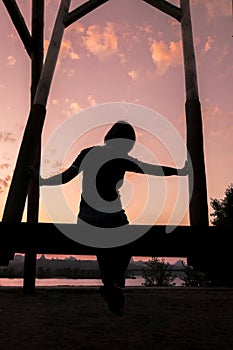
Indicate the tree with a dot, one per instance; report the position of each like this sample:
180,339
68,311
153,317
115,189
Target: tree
223,209
220,269
193,277
158,273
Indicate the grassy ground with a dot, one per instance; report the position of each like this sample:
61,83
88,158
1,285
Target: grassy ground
155,318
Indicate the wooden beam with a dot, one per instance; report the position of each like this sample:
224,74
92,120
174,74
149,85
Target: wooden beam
167,8
37,57
47,238
82,10
19,24
46,77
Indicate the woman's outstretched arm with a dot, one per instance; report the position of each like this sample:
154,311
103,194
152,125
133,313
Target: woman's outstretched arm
160,170
62,177
55,180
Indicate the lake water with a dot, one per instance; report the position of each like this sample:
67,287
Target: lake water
68,282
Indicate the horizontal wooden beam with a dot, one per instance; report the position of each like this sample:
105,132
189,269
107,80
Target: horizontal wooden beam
182,241
82,10
167,8
19,24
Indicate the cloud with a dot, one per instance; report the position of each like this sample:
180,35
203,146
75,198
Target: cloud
52,166
208,44
6,136
146,28
211,112
4,183
101,42
132,74
4,166
69,72
123,58
91,100
75,107
166,55
77,27
72,107
216,8
67,51
11,61
55,102
223,52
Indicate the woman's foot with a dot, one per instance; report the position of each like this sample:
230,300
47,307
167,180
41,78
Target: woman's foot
114,298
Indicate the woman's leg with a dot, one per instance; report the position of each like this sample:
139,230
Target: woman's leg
113,267
106,267
121,269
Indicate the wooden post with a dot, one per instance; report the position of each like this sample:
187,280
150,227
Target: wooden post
198,195
33,190
19,24
19,185
198,208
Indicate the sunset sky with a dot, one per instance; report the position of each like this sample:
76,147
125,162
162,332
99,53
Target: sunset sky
124,51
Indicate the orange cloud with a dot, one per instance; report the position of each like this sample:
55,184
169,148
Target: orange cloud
72,107
166,56
91,100
208,44
101,42
132,74
11,61
66,50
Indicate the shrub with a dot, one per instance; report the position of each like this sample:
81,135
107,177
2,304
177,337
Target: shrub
158,273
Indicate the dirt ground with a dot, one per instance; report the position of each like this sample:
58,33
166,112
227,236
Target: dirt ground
78,318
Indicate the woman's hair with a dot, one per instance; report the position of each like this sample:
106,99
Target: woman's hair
121,130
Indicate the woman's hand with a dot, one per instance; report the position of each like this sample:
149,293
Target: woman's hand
34,174
184,171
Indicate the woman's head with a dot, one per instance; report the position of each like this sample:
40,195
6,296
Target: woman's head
121,136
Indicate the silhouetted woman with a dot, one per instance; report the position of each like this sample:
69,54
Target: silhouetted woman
103,168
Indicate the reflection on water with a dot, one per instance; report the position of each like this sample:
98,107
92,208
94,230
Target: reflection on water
53,282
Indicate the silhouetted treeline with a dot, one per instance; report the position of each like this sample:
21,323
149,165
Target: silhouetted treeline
67,272
62,268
